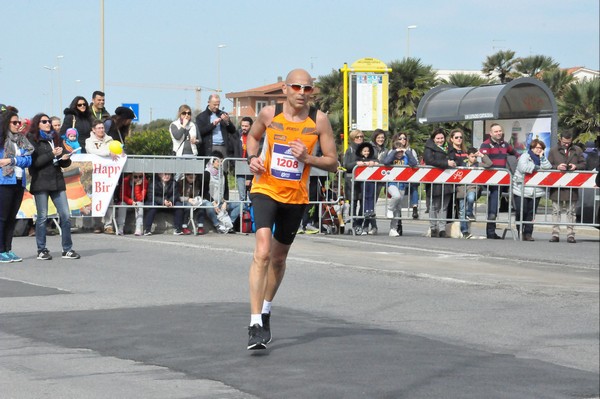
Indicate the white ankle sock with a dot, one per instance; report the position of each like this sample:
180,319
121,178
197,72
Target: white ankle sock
256,319
266,307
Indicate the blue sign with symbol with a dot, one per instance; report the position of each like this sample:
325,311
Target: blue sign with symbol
136,110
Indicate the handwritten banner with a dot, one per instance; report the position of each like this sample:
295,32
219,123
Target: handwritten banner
91,181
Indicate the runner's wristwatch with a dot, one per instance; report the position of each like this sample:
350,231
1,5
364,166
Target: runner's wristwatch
250,158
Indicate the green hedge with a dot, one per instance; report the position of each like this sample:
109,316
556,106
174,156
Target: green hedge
149,142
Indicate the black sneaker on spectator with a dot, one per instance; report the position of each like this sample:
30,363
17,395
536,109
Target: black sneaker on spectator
70,254
44,254
466,236
256,338
177,232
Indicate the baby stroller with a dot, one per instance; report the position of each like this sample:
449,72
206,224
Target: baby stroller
330,220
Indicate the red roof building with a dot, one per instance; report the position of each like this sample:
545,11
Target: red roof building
250,102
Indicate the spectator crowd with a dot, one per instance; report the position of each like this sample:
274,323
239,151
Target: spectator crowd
44,146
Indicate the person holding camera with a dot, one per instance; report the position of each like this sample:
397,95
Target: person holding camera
214,126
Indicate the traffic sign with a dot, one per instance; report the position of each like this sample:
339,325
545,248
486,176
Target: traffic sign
136,110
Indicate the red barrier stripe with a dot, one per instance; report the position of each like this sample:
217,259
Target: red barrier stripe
579,179
432,175
358,170
459,175
550,179
376,174
505,179
484,176
406,174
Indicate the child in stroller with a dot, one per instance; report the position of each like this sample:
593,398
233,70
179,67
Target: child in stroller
334,217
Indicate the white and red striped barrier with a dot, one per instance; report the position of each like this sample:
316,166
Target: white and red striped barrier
432,175
579,179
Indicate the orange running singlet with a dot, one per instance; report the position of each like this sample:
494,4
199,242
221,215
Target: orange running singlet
286,178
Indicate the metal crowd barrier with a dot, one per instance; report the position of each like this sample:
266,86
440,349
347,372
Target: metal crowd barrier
587,205
150,166
423,175
324,187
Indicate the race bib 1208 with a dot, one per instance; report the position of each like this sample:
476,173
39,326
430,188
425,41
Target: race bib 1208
284,165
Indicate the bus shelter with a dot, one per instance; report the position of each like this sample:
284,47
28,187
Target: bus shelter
525,108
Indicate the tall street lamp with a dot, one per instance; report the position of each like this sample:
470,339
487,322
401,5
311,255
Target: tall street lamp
51,69
101,45
408,28
58,58
219,47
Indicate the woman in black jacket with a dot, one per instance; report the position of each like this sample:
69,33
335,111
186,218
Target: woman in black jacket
436,155
47,181
79,116
162,192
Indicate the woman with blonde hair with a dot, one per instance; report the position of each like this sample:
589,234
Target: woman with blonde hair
184,134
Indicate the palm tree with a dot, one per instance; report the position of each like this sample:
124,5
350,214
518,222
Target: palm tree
418,133
557,80
330,97
579,109
502,64
466,80
531,66
409,81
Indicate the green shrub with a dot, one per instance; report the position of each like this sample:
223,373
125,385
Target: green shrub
149,142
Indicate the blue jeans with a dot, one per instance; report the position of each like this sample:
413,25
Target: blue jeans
413,189
492,211
466,208
369,197
59,198
233,209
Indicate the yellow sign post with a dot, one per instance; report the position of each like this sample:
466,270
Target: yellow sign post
374,73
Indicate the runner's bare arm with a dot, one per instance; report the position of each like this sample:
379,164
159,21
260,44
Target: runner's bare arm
265,116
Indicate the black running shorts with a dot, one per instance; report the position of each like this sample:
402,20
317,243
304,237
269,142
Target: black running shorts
285,217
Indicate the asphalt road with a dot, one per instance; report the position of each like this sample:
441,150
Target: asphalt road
356,317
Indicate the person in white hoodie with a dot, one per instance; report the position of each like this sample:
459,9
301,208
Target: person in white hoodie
184,134
526,199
